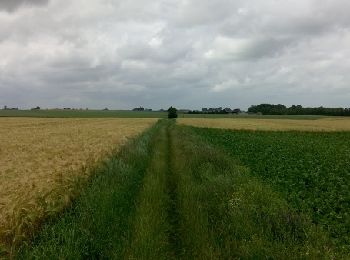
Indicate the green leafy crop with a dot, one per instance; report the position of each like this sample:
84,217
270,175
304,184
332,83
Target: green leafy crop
311,170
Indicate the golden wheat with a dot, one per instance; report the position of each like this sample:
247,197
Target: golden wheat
324,124
39,157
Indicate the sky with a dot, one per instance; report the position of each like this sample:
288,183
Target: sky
191,54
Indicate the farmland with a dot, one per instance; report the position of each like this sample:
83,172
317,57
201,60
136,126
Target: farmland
182,192
273,123
59,113
169,195
311,170
41,158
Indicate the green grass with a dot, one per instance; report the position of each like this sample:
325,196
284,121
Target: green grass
171,195
150,239
310,170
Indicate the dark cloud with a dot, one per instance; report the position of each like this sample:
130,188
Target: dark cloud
12,5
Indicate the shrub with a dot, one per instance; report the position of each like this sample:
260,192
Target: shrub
172,112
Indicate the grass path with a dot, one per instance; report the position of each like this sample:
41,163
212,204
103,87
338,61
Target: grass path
173,209
152,231
155,233
169,195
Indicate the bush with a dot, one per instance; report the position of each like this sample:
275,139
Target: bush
172,112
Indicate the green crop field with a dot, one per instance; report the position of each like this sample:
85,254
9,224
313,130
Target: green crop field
311,170
180,192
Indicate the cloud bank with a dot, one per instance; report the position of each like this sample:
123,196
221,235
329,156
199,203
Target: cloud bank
188,53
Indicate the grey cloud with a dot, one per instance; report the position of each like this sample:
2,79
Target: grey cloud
12,5
186,53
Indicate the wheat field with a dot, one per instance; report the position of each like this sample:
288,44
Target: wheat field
323,124
40,158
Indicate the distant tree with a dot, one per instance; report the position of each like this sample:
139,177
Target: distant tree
269,109
172,112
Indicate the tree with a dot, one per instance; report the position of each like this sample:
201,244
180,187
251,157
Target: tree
172,112
268,109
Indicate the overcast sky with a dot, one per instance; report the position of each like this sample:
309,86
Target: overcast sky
185,53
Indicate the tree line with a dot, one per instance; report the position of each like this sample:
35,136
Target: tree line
270,109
